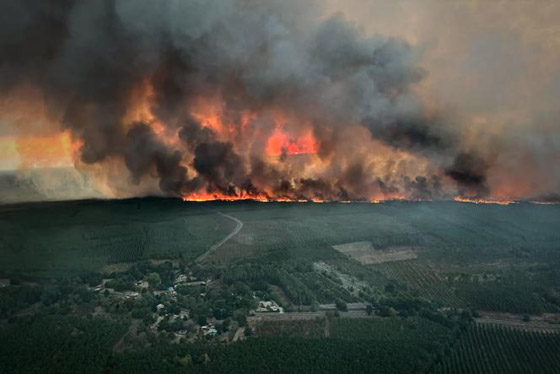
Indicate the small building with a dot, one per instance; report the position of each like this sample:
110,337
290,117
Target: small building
160,307
208,330
197,283
142,284
181,278
211,332
131,294
269,306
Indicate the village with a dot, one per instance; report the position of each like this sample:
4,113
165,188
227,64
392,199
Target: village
185,310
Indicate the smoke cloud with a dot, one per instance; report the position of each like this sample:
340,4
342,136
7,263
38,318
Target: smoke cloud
242,98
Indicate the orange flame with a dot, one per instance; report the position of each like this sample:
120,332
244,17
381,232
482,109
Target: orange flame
218,196
483,201
270,197
279,143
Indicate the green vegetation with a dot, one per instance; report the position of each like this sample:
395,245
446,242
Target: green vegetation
272,355
54,343
78,237
305,328
492,349
119,286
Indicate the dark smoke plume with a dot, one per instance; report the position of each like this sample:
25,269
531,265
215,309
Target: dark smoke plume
89,58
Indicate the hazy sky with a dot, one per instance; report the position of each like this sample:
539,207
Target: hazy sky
489,58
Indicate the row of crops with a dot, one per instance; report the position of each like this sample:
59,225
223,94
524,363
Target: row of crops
420,279
325,289
488,349
181,238
78,237
510,297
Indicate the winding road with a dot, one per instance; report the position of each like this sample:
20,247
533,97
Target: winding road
238,227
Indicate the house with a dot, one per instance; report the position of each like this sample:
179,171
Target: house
208,330
211,332
269,306
160,307
181,278
197,283
131,294
142,284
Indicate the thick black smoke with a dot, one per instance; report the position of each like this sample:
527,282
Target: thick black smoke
88,57
145,151
469,171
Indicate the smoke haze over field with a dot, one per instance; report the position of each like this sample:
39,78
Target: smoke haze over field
354,100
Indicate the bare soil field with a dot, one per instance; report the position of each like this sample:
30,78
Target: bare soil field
366,254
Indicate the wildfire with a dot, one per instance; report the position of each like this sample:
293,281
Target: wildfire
217,196
280,143
269,198
261,198
483,201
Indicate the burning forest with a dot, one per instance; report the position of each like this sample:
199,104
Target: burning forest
241,99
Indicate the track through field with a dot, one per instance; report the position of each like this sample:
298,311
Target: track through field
238,227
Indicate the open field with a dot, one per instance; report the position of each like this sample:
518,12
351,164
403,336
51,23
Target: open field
365,254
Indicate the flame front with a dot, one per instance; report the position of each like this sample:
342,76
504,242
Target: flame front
484,201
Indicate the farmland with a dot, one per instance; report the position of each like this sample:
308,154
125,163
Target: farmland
397,286
492,349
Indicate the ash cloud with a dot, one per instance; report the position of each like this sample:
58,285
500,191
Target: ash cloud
88,58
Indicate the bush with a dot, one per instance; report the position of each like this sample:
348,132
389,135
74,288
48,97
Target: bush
341,305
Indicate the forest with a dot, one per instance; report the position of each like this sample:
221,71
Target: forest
127,286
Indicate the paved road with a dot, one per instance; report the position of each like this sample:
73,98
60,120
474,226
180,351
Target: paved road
238,227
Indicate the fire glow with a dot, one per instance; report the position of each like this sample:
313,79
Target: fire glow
483,201
281,143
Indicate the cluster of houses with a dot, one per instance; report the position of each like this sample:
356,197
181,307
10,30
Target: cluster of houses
208,330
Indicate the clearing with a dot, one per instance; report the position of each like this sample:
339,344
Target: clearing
366,254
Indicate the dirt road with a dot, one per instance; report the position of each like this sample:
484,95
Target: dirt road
238,227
